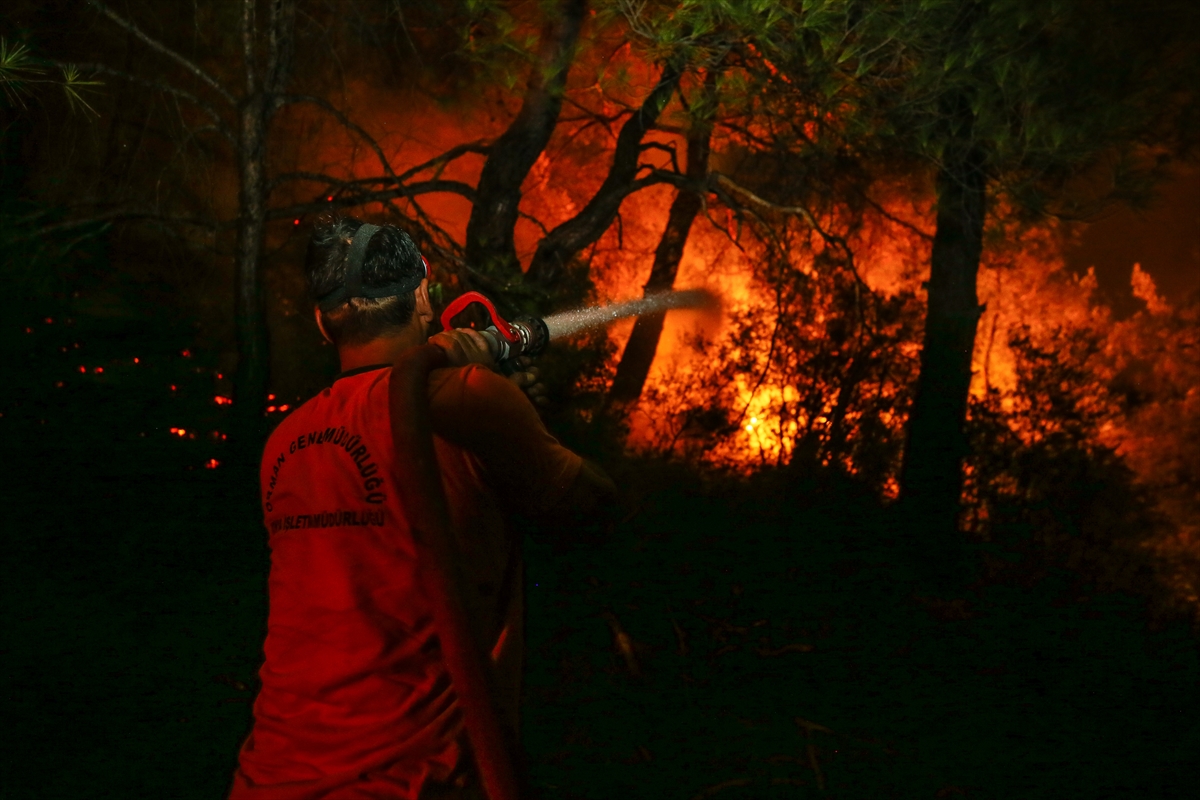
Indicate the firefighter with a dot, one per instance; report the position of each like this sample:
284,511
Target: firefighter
356,697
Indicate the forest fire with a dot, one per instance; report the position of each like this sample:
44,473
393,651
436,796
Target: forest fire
815,360
929,450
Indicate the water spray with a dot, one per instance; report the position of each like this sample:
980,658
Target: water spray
528,336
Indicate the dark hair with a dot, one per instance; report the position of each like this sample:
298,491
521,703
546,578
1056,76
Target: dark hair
391,257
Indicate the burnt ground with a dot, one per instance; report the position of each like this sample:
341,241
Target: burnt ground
777,646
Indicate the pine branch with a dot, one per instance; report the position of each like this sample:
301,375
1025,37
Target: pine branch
219,123
159,47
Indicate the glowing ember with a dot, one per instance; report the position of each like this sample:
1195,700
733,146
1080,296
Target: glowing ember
212,463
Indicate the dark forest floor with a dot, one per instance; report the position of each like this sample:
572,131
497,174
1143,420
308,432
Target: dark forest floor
134,609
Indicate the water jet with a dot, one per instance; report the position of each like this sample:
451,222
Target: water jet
529,336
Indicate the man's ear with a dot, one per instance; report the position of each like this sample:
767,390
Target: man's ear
321,325
424,308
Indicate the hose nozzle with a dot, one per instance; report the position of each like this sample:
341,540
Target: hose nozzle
525,336
531,334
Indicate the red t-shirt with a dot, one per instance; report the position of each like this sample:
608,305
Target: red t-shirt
355,699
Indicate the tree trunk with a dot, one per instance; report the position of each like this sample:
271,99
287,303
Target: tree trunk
250,303
489,244
931,476
639,351
566,240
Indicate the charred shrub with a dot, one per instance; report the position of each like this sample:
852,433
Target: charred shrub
1042,479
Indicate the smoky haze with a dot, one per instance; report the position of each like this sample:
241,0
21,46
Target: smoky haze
1164,238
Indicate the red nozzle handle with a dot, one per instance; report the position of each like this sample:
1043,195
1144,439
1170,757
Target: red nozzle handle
464,300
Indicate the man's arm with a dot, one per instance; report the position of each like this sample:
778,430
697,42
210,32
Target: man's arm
593,496
529,469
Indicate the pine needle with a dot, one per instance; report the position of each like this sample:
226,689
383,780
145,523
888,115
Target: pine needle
73,82
17,69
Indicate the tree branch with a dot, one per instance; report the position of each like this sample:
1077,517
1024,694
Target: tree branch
725,187
318,177
283,99
561,245
158,46
596,118
896,220
445,158
380,196
102,69
666,148
119,215
452,252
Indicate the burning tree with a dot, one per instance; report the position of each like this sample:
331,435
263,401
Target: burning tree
1042,109
1009,116
1009,100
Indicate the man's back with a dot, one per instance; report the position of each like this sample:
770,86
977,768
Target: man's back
355,694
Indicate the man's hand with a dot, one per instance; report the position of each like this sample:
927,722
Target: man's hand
526,379
464,346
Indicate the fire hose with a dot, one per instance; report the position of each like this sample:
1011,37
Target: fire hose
419,484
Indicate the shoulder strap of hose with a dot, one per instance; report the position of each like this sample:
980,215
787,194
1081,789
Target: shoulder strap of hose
419,485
